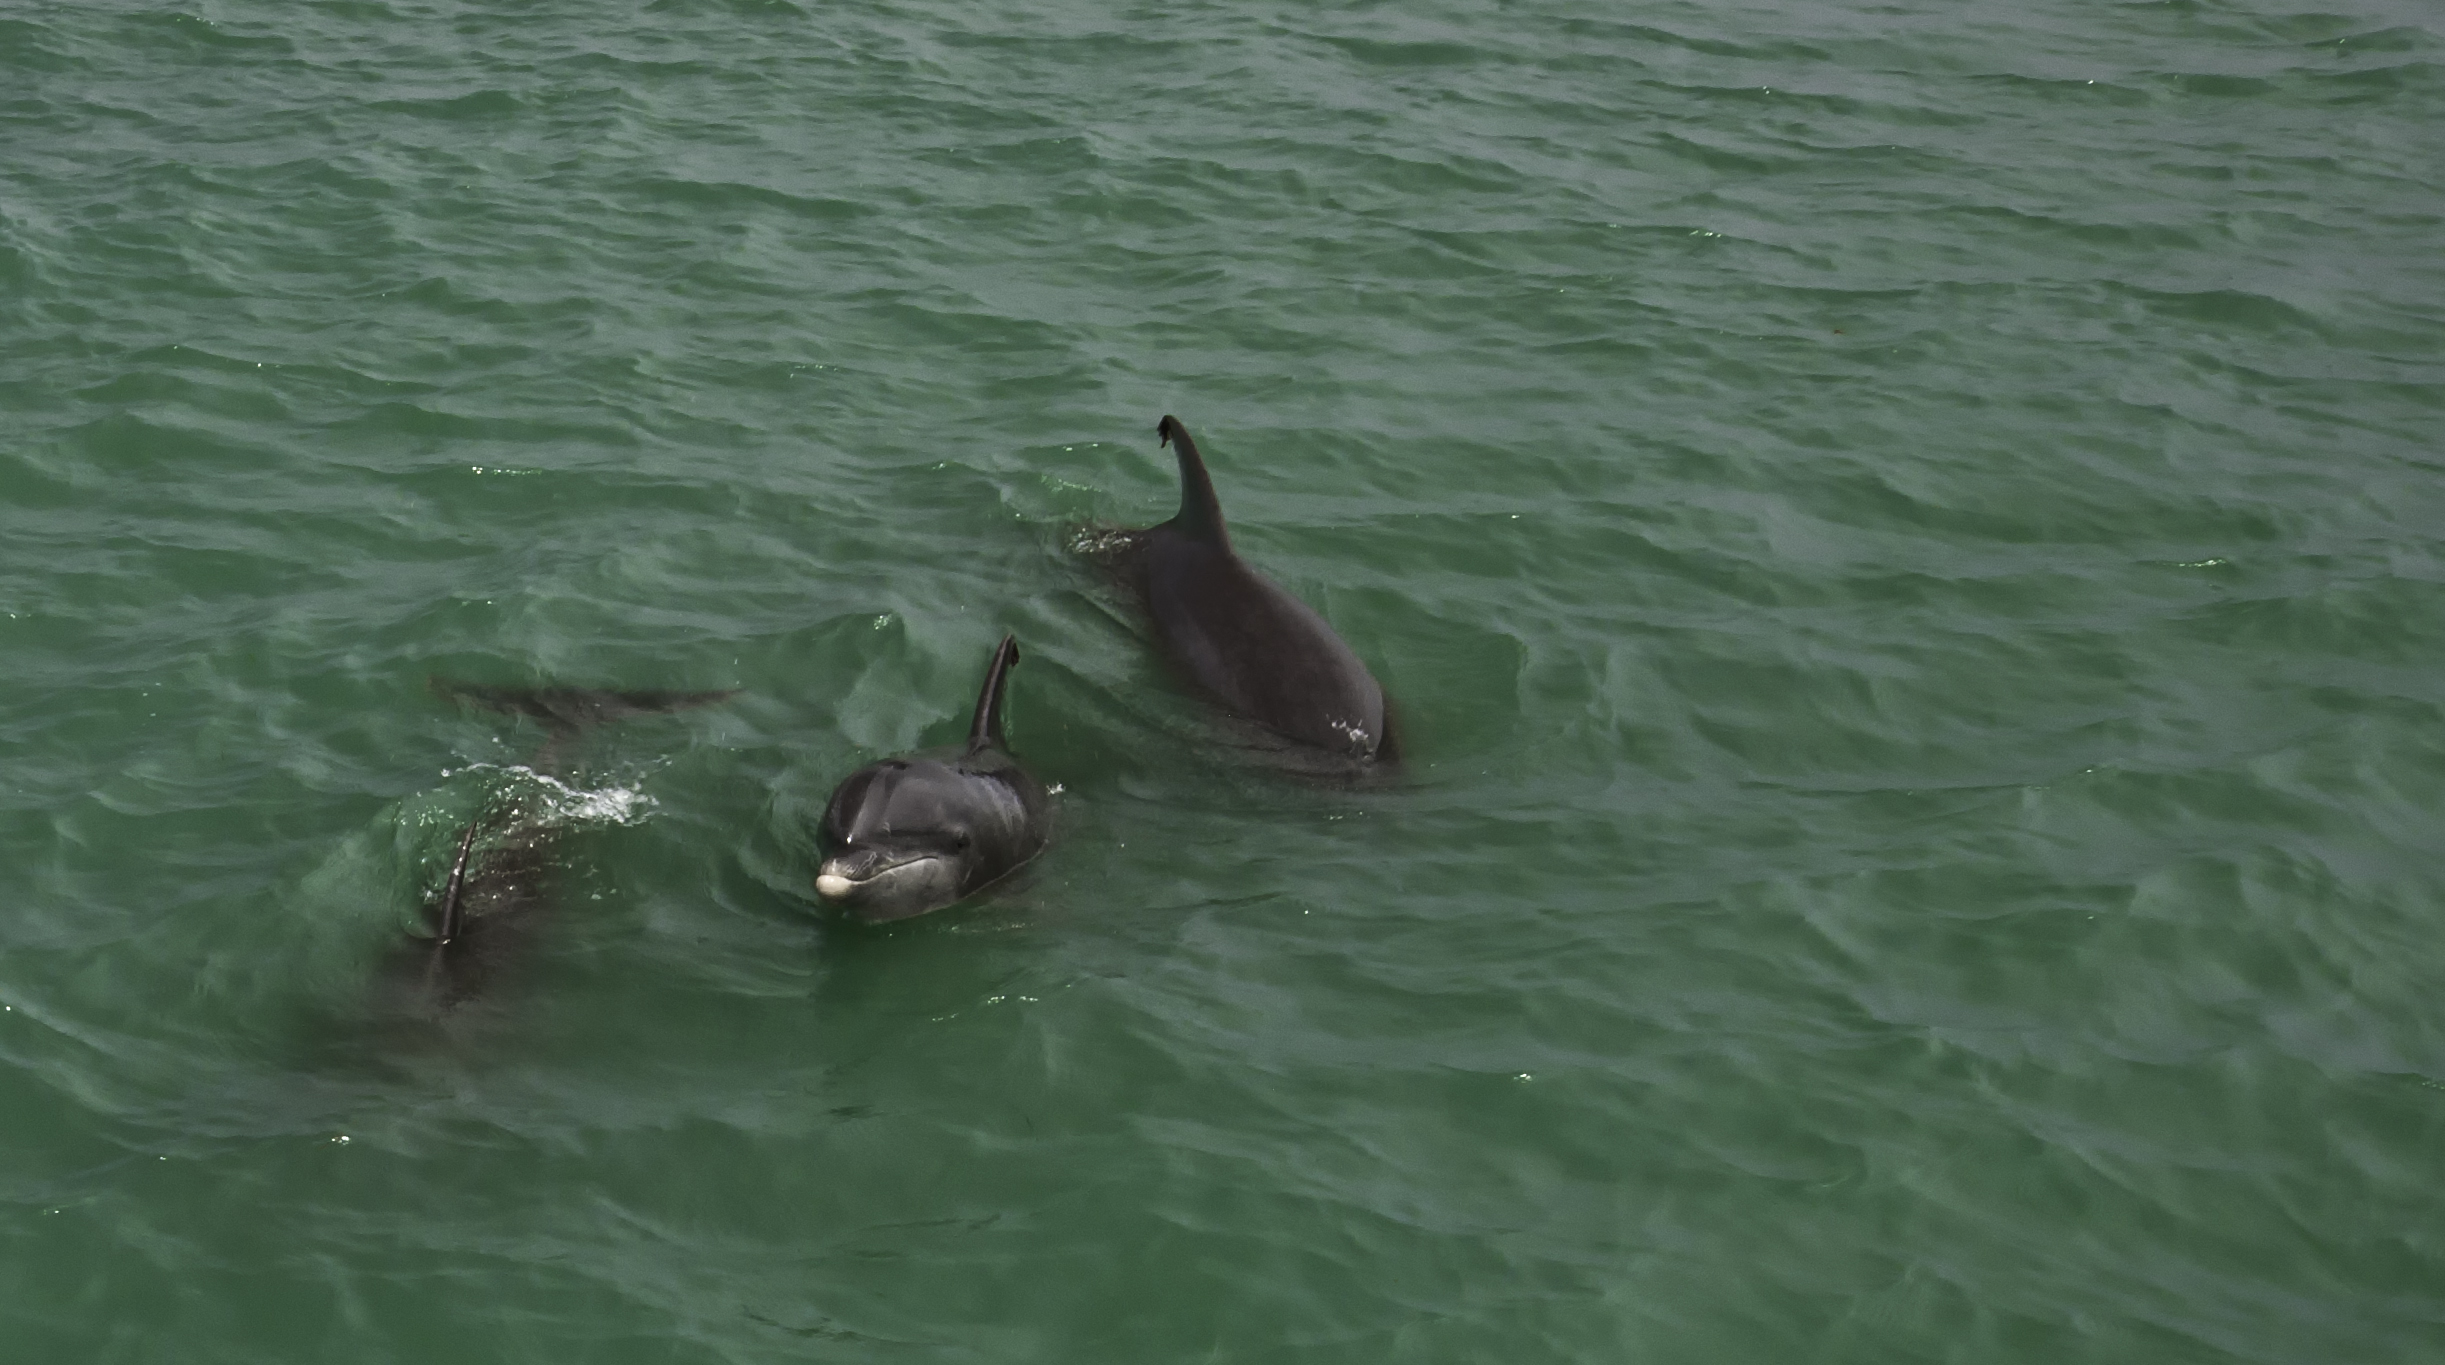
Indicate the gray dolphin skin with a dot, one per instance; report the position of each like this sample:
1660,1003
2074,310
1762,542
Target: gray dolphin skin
503,866
1235,635
919,832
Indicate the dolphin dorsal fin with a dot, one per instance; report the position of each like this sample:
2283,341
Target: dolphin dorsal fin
453,917
1200,515
987,727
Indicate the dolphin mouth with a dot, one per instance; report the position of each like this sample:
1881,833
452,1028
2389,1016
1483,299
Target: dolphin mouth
843,878
876,886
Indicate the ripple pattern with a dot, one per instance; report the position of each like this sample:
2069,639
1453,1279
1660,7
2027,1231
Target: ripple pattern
1905,537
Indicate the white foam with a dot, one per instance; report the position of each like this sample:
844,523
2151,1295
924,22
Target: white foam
612,805
1100,540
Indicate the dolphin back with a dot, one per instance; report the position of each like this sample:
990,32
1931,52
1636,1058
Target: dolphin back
1251,645
1242,639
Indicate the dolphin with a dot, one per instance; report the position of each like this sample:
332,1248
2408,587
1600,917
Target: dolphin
1237,637
919,832
503,867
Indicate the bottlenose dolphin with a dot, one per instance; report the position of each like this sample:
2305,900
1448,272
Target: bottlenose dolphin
916,833
503,868
1236,636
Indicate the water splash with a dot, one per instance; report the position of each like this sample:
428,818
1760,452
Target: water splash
554,801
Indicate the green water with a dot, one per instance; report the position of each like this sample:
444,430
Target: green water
1905,536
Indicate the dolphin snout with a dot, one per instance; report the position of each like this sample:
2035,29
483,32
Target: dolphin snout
887,883
850,870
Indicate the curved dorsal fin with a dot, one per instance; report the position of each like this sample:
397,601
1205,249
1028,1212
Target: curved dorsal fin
453,916
1200,515
987,727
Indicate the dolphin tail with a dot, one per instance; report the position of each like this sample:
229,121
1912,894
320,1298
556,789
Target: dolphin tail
1200,514
986,729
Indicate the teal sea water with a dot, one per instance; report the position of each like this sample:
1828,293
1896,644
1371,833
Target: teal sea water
1906,537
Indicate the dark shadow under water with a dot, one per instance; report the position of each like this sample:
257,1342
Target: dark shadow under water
482,922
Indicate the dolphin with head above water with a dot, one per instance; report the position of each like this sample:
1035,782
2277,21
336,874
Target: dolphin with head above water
916,833
1236,636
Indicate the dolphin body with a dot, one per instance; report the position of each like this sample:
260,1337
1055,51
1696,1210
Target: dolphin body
1237,637
922,831
503,868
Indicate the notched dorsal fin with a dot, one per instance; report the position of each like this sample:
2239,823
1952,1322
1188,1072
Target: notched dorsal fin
987,727
1200,515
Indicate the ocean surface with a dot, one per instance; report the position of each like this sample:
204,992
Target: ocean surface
1907,538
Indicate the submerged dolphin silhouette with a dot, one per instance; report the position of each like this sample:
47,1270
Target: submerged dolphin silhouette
503,870
1238,637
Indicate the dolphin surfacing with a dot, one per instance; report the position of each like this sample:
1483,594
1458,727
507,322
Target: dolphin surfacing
1236,636
504,863
922,831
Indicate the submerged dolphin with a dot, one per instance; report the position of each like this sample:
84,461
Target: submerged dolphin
1236,636
503,867
916,833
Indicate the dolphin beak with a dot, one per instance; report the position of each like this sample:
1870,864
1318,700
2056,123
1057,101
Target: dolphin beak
870,883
